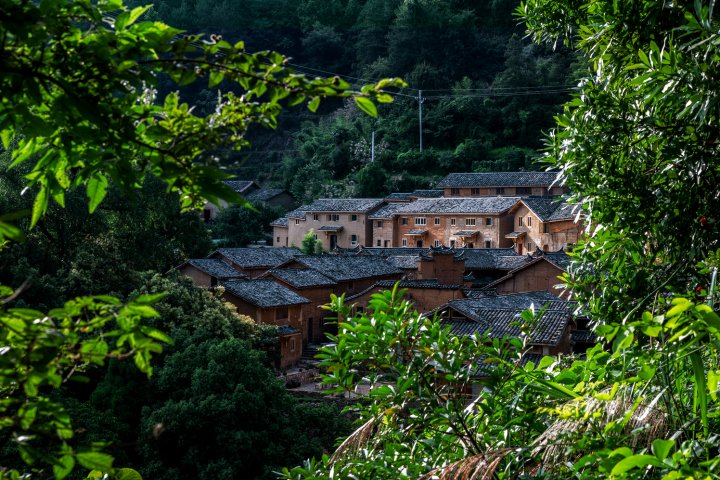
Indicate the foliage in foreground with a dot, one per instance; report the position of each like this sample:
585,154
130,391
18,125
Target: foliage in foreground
442,406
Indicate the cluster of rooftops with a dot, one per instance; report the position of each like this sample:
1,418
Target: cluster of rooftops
467,288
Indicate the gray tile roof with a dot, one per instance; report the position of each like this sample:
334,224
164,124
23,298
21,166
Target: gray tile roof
257,257
550,209
415,232
287,330
386,212
241,186
492,258
499,315
264,194
330,228
498,179
416,284
513,301
427,193
263,293
280,222
398,197
560,259
392,251
583,336
405,262
348,268
474,206
301,277
466,233
297,213
360,205
214,267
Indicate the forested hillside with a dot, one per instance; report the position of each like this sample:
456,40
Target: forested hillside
487,93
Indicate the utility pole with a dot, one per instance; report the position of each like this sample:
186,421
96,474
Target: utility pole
372,147
420,100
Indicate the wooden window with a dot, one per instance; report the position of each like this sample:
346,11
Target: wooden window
469,222
452,222
420,221
316,217
353,218
437,221
297,221
529,221
404,242
488,243
546,228
488,221
353,239
474,191
379,224
454,191
403,221
281,313
335,217
520,221
523,191
500,191
436,243
379,242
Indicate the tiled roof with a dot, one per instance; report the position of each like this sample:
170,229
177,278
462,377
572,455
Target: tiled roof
550,209
427,193
297,213
405,262
257,257
498,179
348,268
415,232
263,293
214,267
241,186
560,259
473,206
466,233
343,205
330,228
583,336
506,322
385,212
416,284
513,301
301,277
287,330
264,194
391,251
280,222
492,258
515,234
398,197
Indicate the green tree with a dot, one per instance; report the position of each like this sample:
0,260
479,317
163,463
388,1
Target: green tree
309,243
238,226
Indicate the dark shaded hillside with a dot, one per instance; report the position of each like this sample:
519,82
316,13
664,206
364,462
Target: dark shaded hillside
488,93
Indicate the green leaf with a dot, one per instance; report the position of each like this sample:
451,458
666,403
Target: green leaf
63,466
96,191
39,206
366,105
635,461
314,104
661,448
127,474
95,461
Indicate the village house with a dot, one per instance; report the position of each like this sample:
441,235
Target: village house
499,315
352,273
207,272
335,222
452,222
254,261
542,272
512,184
544,223
314,286
268,302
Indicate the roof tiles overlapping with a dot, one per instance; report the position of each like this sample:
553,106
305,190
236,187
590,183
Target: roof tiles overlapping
264,194
360,205
471,206
263,293
215,268
498,179
258,257
302,277
550,209
241,186
349,268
